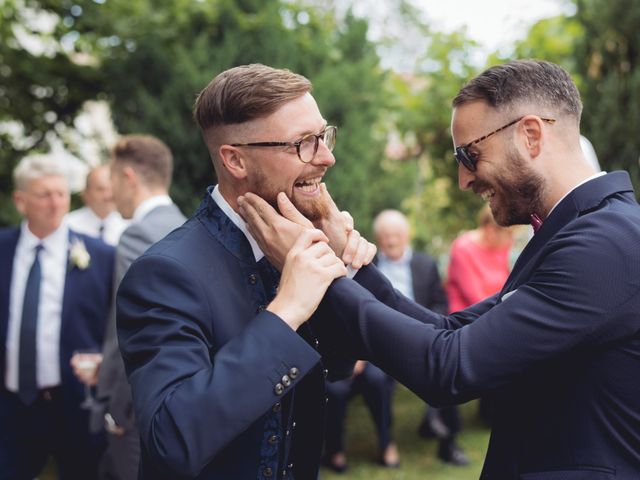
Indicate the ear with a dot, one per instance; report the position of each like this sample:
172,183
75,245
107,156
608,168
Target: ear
130,176
233,161
533,131
18,201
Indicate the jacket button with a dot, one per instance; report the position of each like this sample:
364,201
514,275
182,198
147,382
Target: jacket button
286,381
261,308
267,472
278,389
276,407
317,344
253,279
293,373
325,373
273,439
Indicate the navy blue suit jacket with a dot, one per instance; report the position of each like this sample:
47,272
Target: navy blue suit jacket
558,347
85,306
207,364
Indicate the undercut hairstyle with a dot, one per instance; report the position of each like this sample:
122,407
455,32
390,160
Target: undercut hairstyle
524,82
245,93
37,166
148,156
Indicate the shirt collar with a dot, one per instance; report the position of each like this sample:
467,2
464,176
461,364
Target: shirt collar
237,221
149,204
599,174
54,242
405,259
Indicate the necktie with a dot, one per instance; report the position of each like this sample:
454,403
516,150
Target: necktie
27,384
536,222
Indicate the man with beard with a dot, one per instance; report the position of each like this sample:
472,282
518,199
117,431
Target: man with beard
228,381
558,348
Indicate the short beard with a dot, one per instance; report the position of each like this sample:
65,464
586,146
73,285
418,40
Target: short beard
314,210
520,189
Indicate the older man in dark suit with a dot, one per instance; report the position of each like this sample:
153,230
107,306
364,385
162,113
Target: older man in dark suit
141,169
415,275
558,348
55,286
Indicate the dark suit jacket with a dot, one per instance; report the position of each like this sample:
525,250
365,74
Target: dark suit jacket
558,347
222,388
84,308
113,390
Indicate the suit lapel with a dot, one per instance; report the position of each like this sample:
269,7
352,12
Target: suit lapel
70,286
580,201
224,230
6,271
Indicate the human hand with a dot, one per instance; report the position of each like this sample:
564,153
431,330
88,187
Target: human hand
358,368
274,233
309,269
86,367
346,242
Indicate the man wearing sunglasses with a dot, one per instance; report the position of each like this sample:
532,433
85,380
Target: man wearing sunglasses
228,381
558,348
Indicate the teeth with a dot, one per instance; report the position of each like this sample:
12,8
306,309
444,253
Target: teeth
309,185
487,194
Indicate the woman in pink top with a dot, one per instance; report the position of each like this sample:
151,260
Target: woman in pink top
478,263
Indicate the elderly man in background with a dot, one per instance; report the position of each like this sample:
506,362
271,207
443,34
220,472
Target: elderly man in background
55,288
98,218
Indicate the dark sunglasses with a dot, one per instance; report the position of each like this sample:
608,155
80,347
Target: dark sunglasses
469,160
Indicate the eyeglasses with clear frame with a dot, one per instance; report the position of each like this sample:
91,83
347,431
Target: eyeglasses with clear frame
306,147
470,160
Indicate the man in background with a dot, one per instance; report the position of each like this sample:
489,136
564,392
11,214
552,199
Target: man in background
55,289
141,170
416,276
98,218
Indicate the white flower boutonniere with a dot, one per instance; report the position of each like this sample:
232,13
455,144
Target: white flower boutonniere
78,255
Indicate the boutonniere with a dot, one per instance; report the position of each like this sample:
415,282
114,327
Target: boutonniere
78,255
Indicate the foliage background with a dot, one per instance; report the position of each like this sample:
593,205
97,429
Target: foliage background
149,59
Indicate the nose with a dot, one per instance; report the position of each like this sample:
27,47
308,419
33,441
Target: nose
465,177
324,157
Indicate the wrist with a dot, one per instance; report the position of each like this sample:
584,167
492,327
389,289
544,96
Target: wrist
289,314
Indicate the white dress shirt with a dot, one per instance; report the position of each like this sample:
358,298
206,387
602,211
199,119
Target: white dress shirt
53,263
84,220
239,222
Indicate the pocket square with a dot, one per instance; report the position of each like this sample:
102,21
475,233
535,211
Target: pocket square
508,294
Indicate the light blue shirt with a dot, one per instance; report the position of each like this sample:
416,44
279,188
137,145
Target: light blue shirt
398,272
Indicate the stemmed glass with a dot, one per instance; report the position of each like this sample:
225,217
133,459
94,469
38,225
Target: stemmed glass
85,364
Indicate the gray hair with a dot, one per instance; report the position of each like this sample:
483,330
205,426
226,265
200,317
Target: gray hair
390,215
33,167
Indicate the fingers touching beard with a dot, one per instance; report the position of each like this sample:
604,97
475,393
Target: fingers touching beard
313,208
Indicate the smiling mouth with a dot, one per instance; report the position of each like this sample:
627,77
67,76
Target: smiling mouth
487,194
309,185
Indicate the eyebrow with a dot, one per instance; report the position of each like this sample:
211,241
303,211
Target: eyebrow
309,132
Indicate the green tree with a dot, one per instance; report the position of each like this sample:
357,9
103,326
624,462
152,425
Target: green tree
41,87
156,56
438,209
609,61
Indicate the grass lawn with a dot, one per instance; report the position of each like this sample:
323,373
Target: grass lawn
417,456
